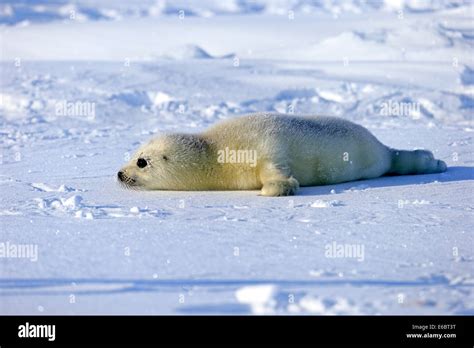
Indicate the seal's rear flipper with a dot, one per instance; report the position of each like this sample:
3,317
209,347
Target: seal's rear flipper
415,162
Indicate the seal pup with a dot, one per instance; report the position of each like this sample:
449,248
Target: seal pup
274,153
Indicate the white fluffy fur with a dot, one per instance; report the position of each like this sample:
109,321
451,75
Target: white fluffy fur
292,151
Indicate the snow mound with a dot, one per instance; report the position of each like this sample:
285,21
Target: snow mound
46,188
189,52
291,94
324,306
258,297
134,98
75,206
325,204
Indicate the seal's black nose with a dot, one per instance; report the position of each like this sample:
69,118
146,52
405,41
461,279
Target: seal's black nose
120,176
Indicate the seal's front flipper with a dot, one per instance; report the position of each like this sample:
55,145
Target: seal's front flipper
277,188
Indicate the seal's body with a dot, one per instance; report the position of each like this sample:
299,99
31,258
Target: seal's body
272,152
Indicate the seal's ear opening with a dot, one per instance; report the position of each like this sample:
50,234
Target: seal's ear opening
191,141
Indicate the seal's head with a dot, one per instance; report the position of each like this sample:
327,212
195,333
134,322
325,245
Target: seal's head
170,162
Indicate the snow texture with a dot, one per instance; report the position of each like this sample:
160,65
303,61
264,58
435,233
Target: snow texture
84,83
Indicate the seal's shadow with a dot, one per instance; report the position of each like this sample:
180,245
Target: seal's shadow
451,175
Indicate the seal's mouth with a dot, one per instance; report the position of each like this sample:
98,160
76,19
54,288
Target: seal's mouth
126,181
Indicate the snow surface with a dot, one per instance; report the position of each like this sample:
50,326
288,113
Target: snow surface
83,84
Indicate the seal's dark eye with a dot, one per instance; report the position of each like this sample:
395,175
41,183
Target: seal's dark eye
141,163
